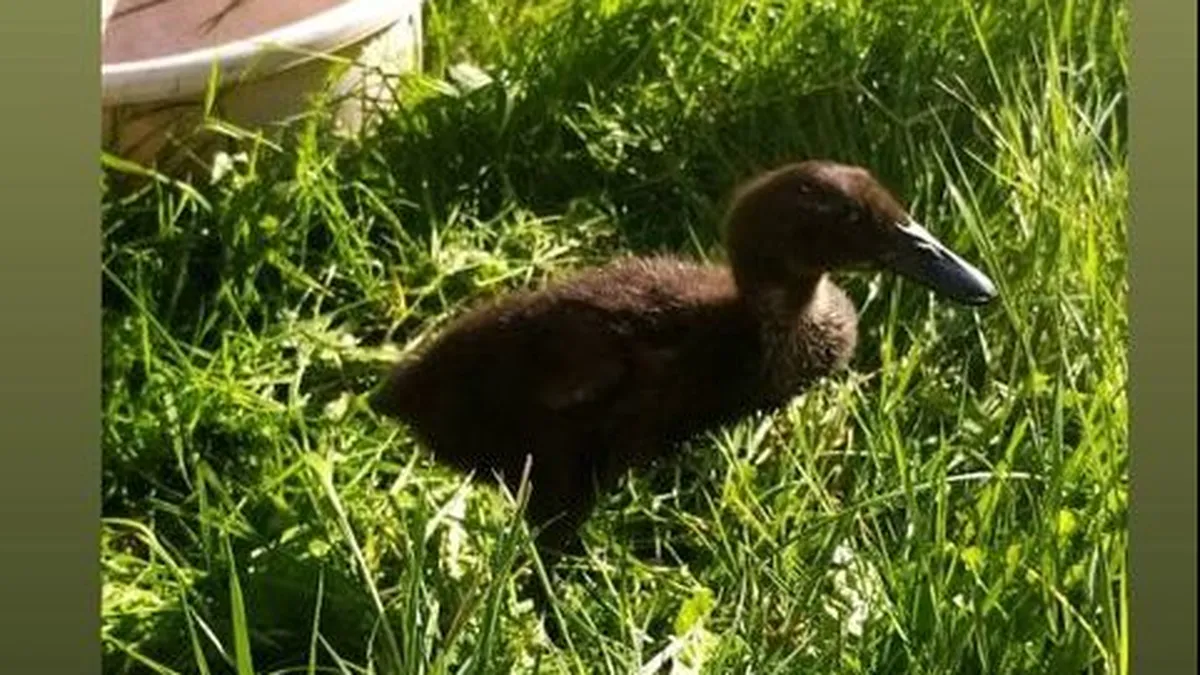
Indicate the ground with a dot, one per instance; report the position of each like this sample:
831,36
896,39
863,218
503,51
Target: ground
956,504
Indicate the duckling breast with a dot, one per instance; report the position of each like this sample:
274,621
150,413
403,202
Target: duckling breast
834,325
802,346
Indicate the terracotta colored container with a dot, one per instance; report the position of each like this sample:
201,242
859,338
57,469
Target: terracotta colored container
271,56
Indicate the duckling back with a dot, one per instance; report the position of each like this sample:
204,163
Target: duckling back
618,352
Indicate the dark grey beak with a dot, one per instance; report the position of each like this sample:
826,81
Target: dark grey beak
920,257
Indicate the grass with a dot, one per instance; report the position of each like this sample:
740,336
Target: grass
956,505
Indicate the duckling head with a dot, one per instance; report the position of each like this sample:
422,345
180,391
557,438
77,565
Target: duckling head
789,227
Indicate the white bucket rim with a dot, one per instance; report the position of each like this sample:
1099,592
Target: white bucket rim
186,74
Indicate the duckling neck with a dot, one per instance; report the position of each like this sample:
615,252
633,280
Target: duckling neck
808,328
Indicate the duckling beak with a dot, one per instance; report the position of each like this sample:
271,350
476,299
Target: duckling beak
919,256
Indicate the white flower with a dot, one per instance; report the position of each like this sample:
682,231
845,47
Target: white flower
857,590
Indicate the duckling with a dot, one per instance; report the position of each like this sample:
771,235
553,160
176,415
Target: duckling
618,365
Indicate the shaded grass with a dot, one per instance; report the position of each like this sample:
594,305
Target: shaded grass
958,505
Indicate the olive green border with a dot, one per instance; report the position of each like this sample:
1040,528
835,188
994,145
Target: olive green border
49,336
1162,390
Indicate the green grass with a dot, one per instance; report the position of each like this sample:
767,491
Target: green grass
956,505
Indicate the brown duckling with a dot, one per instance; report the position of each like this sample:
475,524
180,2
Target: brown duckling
620,364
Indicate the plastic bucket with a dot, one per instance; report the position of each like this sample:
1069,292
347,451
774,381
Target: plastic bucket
158,60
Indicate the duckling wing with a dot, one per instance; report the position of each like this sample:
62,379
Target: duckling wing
624,330
581,360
